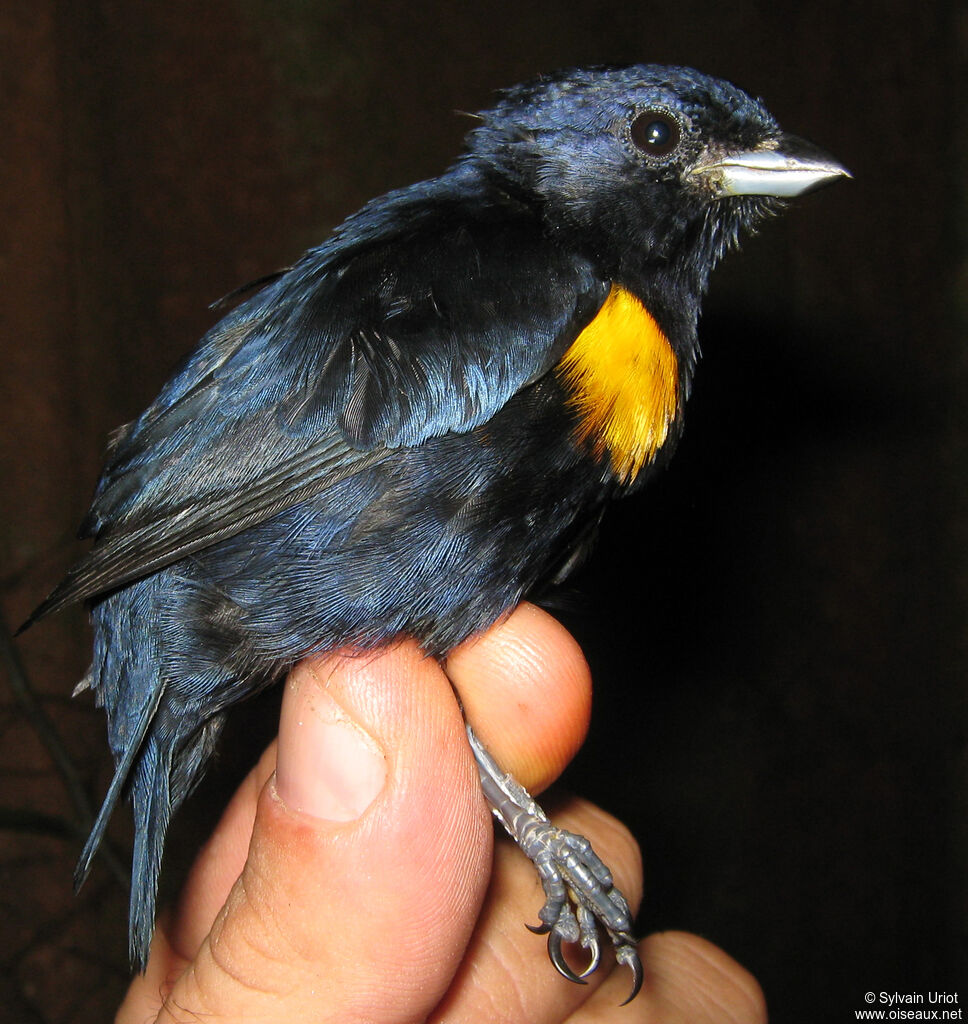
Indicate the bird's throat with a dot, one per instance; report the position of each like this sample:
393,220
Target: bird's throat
623,380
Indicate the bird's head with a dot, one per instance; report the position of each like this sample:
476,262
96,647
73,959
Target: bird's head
645,166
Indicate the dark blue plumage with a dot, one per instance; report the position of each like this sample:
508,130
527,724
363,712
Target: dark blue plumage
378,442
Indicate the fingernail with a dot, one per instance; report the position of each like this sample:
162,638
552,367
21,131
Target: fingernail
327,766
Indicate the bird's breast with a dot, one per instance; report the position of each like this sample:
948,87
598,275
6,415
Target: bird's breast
622,379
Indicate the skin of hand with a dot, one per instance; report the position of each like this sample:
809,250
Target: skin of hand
352,876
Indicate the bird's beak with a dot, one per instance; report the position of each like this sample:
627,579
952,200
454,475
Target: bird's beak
784,167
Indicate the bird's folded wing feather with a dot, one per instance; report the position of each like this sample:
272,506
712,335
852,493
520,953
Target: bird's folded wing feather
358,350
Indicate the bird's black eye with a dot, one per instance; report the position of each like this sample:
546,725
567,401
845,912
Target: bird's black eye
655,133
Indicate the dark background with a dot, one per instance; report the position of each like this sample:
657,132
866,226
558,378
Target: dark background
776,627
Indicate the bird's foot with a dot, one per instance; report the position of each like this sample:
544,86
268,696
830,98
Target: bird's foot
580,897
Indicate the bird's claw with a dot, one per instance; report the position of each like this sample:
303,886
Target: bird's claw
594,948
580,897
628,955
582,926
559,962
580,901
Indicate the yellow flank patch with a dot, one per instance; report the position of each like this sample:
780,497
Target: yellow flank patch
624,382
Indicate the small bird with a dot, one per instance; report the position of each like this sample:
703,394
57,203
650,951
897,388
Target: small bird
417,424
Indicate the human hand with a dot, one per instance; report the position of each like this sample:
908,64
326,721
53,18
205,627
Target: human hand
351,877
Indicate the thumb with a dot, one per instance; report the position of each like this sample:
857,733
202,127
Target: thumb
369,857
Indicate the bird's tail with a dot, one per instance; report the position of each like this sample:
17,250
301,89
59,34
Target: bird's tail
121,773
151,796
170,765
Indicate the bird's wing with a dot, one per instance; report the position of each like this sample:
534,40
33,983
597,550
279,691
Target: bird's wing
325,372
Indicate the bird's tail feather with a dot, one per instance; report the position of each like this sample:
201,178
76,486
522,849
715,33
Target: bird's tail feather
151,794
121,773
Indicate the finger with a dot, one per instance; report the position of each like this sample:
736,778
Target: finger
526,689
527,686
506,974
348,908
531,653
219,863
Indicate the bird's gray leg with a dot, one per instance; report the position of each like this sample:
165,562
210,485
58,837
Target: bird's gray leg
579,894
